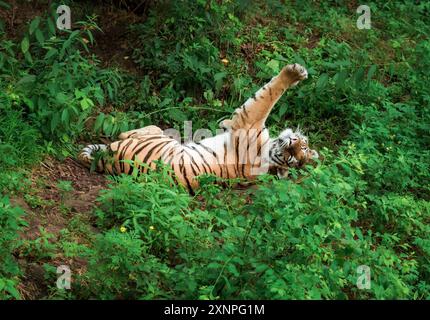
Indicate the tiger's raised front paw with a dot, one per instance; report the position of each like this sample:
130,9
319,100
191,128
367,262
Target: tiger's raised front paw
293,74
226,124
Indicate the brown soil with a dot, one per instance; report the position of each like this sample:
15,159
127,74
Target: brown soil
45,178
46,206
20,14
86,184
114,46
53,211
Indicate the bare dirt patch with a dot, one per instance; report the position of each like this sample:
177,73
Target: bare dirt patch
20,14
45,178
50,209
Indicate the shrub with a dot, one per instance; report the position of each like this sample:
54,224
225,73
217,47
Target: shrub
10,224
365,106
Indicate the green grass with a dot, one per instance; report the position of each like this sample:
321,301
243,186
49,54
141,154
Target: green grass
365,108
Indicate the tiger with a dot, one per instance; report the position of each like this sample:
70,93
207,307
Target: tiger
243,150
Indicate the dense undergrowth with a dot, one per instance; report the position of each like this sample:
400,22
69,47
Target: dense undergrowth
365,107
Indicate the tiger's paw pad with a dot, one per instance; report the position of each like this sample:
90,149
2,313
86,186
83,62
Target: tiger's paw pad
294,73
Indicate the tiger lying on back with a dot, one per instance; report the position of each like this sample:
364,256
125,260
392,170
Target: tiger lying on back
244,150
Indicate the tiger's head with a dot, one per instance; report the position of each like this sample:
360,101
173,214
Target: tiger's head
290,150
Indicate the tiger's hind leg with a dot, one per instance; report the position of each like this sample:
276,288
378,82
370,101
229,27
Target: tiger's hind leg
148,130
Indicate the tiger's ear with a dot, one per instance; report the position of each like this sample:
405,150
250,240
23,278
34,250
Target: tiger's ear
294,141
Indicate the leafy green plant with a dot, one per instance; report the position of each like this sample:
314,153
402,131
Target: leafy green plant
120,268
65,187
40,248
365,107
11,222
366,203
16,136
57,85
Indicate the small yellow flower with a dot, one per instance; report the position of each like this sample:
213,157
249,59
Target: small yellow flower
151,228
85,40
225,61
123,229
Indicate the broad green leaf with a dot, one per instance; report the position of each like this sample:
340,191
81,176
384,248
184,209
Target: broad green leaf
299,60
29,103
107,127
358,76
177,115
123,127
65,117
25,45
62,98
28,79
283,109
274,65
28,57
99,121
341,77
12,290
5,5
371,72
218,77
86,103
39,37
322,82
34,24
50,53
51,26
